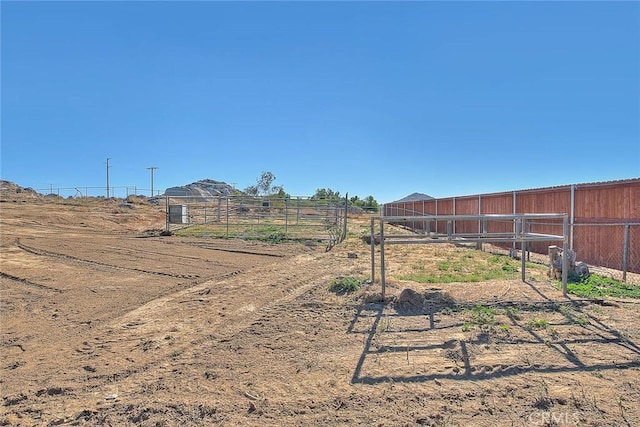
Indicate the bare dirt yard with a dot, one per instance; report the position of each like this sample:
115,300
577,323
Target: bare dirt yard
105,322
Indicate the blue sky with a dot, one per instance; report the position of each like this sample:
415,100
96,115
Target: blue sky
370,98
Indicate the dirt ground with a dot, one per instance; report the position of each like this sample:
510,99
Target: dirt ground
104,322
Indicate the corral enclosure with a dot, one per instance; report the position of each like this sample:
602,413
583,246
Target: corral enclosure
266,218
604,218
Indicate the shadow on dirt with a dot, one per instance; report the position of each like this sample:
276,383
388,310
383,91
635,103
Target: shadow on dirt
435,321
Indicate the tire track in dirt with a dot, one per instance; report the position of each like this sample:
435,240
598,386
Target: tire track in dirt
174,258
152,322
235,251
29,282
311,274
98,265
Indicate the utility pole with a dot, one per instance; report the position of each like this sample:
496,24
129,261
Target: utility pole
108,158
152,168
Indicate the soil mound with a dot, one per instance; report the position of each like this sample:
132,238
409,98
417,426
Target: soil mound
411,302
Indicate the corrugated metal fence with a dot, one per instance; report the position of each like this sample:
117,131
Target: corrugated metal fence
604,218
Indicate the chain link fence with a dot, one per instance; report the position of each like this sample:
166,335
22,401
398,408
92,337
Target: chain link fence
618,249
261,218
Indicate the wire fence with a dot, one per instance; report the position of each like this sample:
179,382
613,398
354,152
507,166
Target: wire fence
120,191
262,218
619,248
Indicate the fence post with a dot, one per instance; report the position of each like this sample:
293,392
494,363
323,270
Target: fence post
573,213
479,244
166,206
625,253
286,216
515,229
227,216
524,248
565,257
382,272
373,253
436,216
346,209
454,212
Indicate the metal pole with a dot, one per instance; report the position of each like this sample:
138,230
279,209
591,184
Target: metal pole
479,244
565,257
108,158
286,216
152,168
524,260
454,212
513,245
373,252
479,212
166,206
524,248
436,216
382,272
346,208
625,252
573,211
227,216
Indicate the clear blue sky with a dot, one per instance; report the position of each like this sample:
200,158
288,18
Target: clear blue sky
380,98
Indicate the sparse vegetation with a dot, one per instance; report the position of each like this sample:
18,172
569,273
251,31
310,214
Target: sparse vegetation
443,265
514,313
537,323
597,286
266,233
572,316
345,285
479,316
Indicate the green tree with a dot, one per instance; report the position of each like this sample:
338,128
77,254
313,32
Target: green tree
370,202
326,193
264,186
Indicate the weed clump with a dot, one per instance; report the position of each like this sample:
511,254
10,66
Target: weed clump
345,285
597,286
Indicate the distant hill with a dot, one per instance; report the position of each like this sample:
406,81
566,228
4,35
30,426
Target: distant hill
204,188
415,197
10,188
